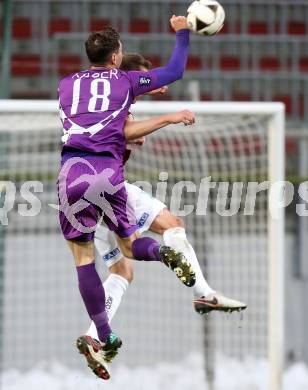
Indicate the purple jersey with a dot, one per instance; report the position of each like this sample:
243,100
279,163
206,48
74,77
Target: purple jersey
94,105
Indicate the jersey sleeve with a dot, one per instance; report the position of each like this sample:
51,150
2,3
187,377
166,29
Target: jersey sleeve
143,82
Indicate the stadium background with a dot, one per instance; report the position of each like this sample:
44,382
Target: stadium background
260,55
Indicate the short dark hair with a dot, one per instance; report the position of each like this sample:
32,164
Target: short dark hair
134,61
101,45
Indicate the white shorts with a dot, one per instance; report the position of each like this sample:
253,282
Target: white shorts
146,210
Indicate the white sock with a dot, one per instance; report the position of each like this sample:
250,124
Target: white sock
115,287
176,239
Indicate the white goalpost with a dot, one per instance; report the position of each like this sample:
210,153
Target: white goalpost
241,252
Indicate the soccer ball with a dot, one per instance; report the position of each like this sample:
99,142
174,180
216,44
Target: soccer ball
205,17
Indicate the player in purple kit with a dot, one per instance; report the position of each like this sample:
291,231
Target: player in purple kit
94,106
152,215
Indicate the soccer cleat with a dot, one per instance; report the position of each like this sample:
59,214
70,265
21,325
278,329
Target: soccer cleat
98,354
177,262
219,302
111,346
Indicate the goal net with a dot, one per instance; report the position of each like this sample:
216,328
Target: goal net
210,176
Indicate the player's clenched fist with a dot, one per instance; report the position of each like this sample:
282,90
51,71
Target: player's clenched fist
178,23
187,117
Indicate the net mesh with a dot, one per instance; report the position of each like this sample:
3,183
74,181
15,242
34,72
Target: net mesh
42,313
231,245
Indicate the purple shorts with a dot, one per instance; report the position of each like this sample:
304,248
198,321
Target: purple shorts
92,188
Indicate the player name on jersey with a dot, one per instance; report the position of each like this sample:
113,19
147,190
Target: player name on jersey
97,74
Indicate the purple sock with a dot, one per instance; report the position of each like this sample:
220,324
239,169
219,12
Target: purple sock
93,295
146,248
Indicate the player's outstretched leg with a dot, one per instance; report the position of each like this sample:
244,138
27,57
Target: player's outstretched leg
146,248
115,286
206,299
97,352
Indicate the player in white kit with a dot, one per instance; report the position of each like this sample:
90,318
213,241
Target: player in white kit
151,215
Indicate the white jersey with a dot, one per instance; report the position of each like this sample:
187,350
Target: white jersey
146,209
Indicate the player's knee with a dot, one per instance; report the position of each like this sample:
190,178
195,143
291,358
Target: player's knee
173,222
84,260
127,250
130,276
179,222
127,271
127,274
83,252
124,269
125,244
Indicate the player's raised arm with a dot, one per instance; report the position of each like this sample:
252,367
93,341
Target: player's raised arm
143,82
174,70
136,129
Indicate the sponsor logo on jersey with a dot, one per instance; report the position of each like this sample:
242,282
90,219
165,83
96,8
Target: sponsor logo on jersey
111,254
143,219
144,80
